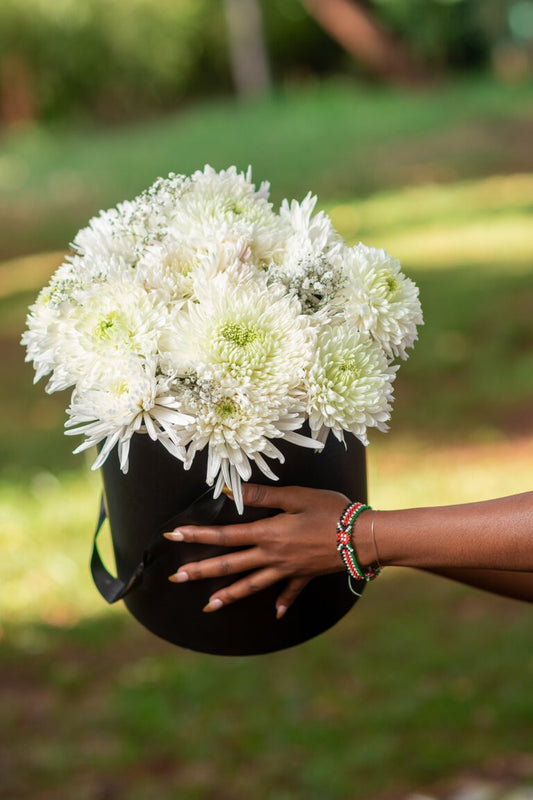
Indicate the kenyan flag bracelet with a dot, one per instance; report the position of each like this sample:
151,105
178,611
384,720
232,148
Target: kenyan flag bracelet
345,545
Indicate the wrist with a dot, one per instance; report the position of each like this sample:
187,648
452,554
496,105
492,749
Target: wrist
363,540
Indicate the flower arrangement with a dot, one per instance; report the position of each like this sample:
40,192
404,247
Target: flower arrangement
198,315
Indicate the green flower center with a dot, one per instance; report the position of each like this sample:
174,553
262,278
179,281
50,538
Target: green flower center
120,388
183,266
225,408
239,333
351,366
111,327
390,283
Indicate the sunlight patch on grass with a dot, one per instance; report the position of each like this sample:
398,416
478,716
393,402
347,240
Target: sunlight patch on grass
486,222
45,540
430,202
500,242
404,474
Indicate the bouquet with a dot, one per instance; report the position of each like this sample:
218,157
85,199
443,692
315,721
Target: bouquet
198,315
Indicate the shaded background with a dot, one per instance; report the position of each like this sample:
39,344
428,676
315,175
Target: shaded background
412,120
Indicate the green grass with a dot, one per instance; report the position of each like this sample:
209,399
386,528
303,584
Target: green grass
424,677
336,139
391,699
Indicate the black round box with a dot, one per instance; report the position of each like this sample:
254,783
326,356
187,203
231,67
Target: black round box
157,494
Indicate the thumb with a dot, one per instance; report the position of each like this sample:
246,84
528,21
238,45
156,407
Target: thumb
286,498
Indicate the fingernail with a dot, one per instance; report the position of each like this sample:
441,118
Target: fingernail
179,577
213,605
280,611
227,491
175,536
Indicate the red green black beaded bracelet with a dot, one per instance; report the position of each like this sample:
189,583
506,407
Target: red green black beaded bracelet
345,545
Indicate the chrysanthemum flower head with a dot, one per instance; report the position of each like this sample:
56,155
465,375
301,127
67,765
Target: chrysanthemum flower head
226,207
380,299
242,331
114,321
129,399
168,267
239,427
349,384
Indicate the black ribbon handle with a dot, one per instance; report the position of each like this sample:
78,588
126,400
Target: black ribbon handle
204,509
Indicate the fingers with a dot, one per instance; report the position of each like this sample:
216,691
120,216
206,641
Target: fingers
226,536
291,591
232,564
247,586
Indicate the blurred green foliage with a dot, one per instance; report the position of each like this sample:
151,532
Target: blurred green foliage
107,57
338,139
116,59
447,33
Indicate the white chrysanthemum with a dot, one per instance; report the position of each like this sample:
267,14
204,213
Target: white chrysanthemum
43,334
241,331
51,336
307,269
310,233
110,321
349,385
179,270
118,231
168,269
238,427
224,208
132,226
380,299
230,261
127,399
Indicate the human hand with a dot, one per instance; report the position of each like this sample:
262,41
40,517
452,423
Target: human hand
297,544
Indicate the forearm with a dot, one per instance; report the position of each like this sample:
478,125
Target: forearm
518,585
492,535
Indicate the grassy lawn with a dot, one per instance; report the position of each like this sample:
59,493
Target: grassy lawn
336,139
424,678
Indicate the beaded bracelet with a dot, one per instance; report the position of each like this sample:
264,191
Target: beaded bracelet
345,545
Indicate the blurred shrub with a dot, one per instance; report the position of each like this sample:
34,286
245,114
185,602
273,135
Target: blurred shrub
110,59
446,34
298,47
103,57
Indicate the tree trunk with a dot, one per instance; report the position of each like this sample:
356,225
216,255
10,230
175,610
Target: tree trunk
17,100
358,31
249,61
